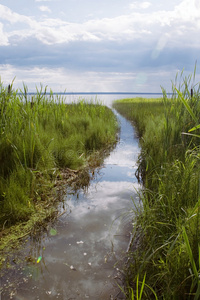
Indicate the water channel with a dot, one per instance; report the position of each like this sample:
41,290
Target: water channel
80,255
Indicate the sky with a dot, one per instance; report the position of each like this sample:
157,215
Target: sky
98,46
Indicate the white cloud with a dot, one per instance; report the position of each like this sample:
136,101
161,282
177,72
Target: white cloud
44,9
61,79
176,25
133,41
3,37
140,5
8,15
145,5
188,10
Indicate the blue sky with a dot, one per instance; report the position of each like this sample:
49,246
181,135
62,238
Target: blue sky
105,46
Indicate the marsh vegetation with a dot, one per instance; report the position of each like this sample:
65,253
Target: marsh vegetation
165,262
42,138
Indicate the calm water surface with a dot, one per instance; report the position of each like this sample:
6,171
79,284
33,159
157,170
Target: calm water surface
80,255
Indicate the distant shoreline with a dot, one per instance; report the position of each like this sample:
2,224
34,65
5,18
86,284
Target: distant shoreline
96,93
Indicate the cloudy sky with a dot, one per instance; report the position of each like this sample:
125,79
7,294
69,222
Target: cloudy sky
105,45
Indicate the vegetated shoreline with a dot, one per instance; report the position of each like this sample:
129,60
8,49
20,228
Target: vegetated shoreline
13,238
45,145
165,262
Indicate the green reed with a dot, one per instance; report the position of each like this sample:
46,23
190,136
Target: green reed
40,135
167,225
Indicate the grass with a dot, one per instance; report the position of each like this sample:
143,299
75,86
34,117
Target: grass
39,138
168,222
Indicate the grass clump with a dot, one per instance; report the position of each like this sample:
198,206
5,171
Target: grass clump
167,225
39,137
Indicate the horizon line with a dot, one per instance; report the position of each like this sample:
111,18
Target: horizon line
97,93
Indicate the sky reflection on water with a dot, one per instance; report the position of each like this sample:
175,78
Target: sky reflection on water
78,262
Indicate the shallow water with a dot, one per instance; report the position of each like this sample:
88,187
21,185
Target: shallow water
80,255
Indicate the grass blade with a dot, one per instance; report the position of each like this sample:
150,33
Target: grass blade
142,287
189,251
184,101
194,128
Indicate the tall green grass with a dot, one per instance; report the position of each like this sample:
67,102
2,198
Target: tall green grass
167,225
40,136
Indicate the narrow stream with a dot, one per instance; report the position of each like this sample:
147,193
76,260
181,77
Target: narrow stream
81,254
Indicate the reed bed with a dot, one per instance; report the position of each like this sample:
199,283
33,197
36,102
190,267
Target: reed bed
165,261
39,137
